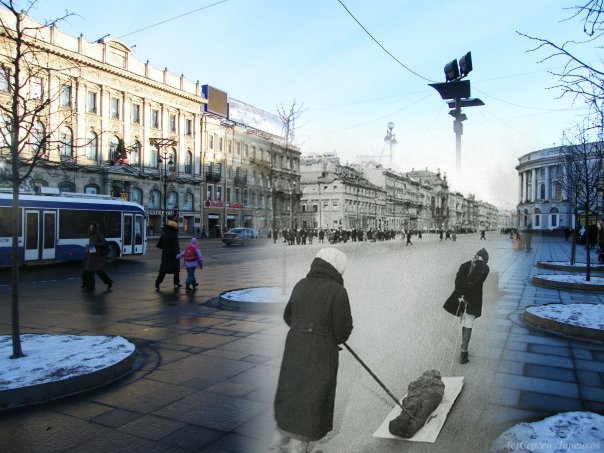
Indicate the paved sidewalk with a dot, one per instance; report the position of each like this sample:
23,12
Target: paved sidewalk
207,376
540,373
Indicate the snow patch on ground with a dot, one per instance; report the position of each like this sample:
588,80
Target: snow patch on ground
264,294
577,432
563,278
50,358
582,315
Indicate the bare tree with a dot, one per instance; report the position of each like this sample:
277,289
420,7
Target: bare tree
579,78
582,162
26,132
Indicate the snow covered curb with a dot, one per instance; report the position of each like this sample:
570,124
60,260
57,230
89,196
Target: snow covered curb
572,282
566,266
564,432
577,320
56,366
262,298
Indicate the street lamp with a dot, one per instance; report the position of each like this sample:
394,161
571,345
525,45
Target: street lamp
165,158
389,138
457,91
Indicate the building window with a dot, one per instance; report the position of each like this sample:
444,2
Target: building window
66,142
4,79
188,127
113,144
66,187
188,203
135,153
172,123
115,108
92,189
542,191
35,85
155,119
154,199
172,202
66,96
210,192
245,151
211,142
220,141
219,193
189,163
91,102
136,113
230,147
38,142
92,145
237,195
137,195
153,155
238,149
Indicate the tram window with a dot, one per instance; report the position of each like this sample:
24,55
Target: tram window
5,222
74,224
138,230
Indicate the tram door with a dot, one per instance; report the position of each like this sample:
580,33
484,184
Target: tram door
128,235
139,231
40,235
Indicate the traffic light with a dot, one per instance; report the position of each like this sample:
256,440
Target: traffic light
451,71
465,64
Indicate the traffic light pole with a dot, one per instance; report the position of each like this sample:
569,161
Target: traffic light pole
458,129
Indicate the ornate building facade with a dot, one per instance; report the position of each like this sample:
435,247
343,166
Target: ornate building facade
124,128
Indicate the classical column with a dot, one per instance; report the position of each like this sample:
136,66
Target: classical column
534,182
548,183
520,187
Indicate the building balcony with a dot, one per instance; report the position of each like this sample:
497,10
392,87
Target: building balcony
212,176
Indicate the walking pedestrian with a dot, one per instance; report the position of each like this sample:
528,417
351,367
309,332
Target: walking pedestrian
193,259
94,260
466,299
318,314
408,238
601,241
482,235
528,238
168,243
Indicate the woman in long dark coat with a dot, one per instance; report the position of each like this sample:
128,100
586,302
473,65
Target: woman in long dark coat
466,299
318,314
168,243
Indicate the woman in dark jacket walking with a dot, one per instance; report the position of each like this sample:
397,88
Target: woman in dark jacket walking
170,248
94,261
466,299
318,314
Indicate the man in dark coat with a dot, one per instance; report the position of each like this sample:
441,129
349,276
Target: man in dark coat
466,300
168,243
94,261
318,314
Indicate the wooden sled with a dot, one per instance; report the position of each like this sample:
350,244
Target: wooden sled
429,432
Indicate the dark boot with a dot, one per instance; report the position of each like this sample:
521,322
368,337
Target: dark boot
463,358
187,288
466,333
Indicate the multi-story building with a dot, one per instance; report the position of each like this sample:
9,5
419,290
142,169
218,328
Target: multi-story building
375,197
542,201
128,129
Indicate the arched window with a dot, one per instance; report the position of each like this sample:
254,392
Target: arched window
154,199
137,195
66,142
173,157
172,202
189,163
188,203
153,155
38,144
113,144
66,186
135,158
542,191
92,188
92,145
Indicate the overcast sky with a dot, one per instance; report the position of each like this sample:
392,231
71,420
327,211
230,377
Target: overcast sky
273,52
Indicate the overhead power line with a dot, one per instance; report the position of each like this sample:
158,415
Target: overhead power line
172,18
383,48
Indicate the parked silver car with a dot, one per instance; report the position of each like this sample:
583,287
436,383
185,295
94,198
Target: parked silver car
241,236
